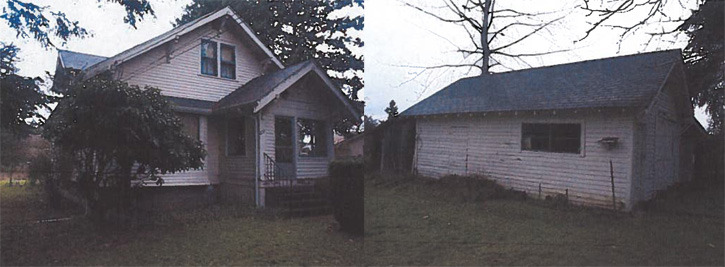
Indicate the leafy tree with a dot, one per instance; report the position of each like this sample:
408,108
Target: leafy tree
30,20
705,60
112,134
20,101
299,30
392,110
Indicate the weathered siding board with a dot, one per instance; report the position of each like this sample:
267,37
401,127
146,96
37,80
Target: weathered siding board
301,101
492,145
660,140
181,76
237,167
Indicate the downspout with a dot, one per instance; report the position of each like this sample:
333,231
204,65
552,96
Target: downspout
257,122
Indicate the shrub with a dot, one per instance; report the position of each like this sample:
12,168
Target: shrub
347,193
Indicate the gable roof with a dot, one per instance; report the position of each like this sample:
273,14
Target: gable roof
178,31
625,81
76,60
262,90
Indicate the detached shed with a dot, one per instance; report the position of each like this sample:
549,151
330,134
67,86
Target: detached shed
556,129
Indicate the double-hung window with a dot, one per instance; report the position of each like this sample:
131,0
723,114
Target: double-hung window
228,62
208,57
218,60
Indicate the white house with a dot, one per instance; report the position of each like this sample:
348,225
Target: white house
556,129
263,124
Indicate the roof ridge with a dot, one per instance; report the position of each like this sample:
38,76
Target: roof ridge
82,53
584,61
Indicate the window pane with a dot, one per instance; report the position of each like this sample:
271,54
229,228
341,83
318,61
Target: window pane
228,68
236,139
283,143
227,53
208,57
311,138
190,124
551,137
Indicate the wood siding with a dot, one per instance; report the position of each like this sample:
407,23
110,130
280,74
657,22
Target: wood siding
491,145
236,169
659,140
181,75
306,101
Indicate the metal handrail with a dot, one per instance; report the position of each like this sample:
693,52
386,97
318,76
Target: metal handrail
272,171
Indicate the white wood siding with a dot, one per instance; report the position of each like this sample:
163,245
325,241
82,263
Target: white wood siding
659,141
306,102
207,175
236,168
181,76
491,145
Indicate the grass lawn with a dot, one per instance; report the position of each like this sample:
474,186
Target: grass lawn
214,236
413,223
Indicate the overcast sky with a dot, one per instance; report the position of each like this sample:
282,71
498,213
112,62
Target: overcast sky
396,38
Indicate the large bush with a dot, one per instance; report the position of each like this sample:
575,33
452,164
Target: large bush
347,194
113,133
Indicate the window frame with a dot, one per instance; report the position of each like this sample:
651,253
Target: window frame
202,57
227,147
551,138
320,127
233,62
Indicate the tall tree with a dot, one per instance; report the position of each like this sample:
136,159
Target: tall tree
493,29
21,100
705,60
300,30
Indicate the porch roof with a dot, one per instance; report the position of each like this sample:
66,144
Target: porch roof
261,91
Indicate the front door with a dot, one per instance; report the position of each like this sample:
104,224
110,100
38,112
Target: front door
284,147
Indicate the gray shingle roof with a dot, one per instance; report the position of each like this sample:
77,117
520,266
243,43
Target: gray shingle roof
191,105
79,61
626,81
259,87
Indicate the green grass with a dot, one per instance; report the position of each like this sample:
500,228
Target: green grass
214,236
413,223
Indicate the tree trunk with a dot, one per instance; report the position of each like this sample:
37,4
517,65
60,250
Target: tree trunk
484,38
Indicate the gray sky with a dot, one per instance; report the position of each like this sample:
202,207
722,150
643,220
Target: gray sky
398,37
394,35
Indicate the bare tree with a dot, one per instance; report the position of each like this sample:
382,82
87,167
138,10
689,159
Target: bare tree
657,19
492,30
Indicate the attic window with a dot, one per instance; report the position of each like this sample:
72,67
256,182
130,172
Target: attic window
551,137
208,57
228,62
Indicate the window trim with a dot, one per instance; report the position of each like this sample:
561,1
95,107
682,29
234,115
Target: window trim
233,62
218,59
582,138
202,57
325,140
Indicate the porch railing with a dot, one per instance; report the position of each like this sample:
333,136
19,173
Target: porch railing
273,172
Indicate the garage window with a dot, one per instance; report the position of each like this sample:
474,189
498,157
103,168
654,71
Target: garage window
551,137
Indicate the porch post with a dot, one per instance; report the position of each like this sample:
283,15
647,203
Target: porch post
258,197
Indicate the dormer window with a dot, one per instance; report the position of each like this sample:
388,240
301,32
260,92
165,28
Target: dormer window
228,63
218,59
208,57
